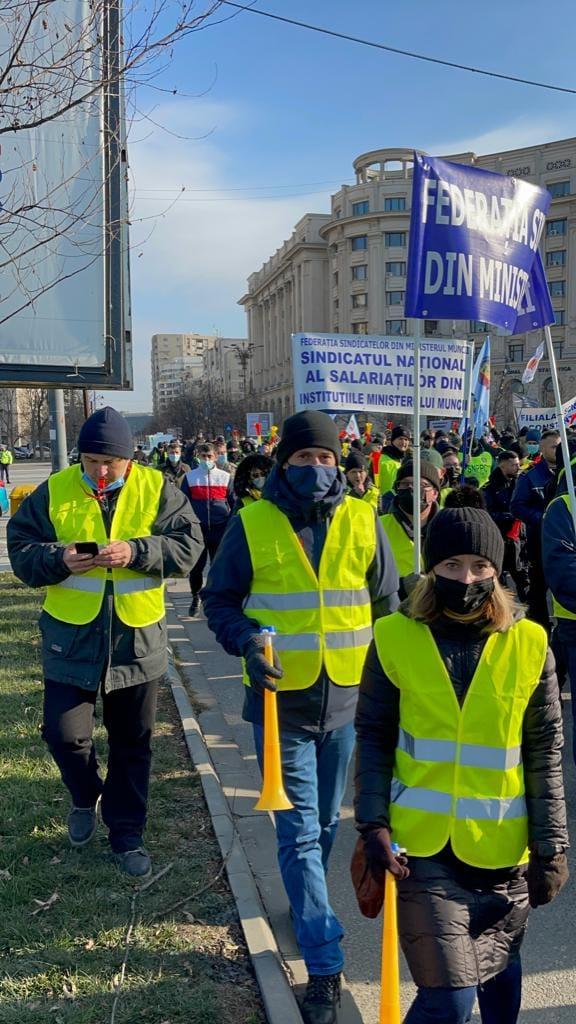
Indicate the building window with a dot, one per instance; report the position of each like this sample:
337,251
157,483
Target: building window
395,327
560,315
431,328
394,238
361,328
360,272
555,228
396,268
395,205
359,301
336,303
479,327
359,208
548,393
515,353
359,242
556,258
394,298
337,214
335,278
557,288
558,189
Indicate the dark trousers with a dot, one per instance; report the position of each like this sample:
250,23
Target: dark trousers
212,538
499,1001
5,471
128,716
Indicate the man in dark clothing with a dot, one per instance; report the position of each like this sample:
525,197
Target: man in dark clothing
103,626
316,565
398,522
498,495
210,492
174,469
528,504
140,456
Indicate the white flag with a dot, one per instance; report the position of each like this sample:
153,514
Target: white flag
532,365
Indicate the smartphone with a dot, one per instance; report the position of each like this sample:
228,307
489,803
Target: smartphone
87,547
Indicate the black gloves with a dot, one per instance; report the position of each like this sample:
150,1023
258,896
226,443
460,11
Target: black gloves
380,856
258,668
545,877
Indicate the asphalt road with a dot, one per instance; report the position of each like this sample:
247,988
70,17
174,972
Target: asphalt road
29,472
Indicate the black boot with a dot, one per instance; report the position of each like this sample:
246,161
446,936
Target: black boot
194,605
322,999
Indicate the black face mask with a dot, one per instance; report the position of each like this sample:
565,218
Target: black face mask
405,501
462,598
451,474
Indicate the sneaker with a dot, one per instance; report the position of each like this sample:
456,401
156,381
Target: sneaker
82,823
194,606
322,999
135,863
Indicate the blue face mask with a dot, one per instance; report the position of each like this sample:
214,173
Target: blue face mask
207,464
113,486
173,457
533,449
311,483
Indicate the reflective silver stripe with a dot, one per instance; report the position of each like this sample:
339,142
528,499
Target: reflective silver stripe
491,810
282,602
416,798
474,755
304,600
93,584
348,638
441,751
346,598
296,642
138,583
89,584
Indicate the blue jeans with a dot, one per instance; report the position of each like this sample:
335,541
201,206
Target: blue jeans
565,635
499,1001
314,768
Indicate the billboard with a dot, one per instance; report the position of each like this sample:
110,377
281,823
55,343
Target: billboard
64,304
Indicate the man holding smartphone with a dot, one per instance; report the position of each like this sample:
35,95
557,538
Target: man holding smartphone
102,537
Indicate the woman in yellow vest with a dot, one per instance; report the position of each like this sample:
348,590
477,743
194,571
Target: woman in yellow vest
249,479
459,762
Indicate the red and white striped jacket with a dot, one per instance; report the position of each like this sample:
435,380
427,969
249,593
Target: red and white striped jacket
208,491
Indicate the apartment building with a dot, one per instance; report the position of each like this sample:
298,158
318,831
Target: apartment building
346,272
228,367
177,360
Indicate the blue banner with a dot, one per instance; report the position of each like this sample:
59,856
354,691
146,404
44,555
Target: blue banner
473,241
535,309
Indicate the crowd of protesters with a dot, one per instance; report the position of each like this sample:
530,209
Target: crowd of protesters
445,675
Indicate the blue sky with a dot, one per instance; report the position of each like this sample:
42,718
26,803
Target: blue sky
267,104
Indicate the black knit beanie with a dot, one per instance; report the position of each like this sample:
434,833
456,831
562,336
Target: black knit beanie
463,531
308,430
400,432
428,472
355,460
106,432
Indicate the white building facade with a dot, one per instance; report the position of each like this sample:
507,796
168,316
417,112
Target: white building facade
177,360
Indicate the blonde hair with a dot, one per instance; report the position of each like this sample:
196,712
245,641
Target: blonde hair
500,609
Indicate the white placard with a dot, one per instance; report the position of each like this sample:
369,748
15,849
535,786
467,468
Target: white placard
374,373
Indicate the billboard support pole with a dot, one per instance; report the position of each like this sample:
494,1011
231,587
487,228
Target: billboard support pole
561,423
57,421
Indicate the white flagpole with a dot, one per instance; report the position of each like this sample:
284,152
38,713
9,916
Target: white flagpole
561,423
468,379
416,451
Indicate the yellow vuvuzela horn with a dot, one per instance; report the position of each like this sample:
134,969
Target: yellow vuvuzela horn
390,974
273,796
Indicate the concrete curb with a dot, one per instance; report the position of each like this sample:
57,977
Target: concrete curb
277,994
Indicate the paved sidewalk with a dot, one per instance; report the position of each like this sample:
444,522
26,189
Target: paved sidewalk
548,957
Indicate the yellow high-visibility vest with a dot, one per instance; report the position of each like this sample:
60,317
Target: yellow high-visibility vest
458,772
76,516
401,544
480,467
558,609
387,473
319,619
